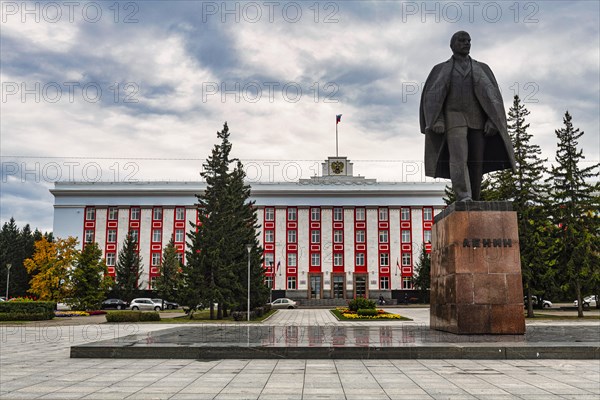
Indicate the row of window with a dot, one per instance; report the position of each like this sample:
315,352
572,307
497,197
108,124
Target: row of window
338,259
113,213
156,259
384,282
338,214
111,236
338,236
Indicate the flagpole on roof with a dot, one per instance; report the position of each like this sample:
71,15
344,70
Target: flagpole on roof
338,118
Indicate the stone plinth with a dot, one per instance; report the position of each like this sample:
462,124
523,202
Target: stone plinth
476,285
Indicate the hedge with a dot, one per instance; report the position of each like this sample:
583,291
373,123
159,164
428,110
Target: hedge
361,302
366,312
132,316
26,310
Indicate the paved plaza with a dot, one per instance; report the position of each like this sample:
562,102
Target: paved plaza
35,364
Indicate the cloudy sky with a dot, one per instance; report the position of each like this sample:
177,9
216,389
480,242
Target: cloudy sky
136,90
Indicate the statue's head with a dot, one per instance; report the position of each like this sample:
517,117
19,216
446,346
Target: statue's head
460,43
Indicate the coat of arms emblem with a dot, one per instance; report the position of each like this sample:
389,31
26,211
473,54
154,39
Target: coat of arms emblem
337,167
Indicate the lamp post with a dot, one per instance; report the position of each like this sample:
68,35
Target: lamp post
8,267
249,248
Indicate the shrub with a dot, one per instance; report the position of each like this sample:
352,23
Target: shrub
361,302
132,316
26,310
367,312
242,315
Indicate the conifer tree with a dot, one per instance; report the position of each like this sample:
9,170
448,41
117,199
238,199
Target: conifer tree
128,269
89,280
168,281
423,266
575,190
216,268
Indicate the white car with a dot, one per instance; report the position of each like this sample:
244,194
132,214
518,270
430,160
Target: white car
144,304
588,301
534,299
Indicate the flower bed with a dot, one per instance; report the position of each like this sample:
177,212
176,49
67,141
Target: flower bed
344,313
71,314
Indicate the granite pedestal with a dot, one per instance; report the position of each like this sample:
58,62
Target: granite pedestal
476,285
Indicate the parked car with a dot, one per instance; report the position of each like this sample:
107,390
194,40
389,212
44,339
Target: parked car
534,299
284,303
169,305
115,304
144,304
588,301
63,307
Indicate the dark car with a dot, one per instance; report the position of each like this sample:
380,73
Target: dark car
115,304
169,305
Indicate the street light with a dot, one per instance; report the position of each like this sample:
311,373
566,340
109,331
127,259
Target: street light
8,267
249,248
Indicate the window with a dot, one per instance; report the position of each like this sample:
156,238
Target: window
315,259
338,214
291,234
407,282
384,283
360,214
384,260
383,214
291,259
89,236
269,259
269,214
269,282
157,214
315,214
406,259
405,214
383,236
135,236
427,236
156,235
360,236
405,236
427,214
179,257
338,259
338,236
155,259
179,235
180,213
360,259
113,213
292,214
315,236
112,236
291,283
110,259
269,236
135,213
90,213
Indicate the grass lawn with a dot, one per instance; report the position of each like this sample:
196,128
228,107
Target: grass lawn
341,317
204,316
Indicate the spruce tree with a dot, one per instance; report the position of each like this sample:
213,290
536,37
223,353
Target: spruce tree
89,279
216,268
575,190
128,269
423,266
168,281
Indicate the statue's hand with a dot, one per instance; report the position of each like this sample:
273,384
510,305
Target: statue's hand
438,127
489,128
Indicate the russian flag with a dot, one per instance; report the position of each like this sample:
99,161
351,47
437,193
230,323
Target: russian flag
338,119
278,265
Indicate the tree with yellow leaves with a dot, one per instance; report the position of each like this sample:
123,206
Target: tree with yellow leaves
51,262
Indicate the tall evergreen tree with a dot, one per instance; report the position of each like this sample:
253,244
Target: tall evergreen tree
423,266
216,268
169,278
576,191
89,279
128,269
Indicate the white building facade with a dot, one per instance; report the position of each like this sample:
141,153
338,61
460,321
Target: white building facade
336,236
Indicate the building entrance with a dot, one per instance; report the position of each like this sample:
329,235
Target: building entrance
338,287
360,286
316,287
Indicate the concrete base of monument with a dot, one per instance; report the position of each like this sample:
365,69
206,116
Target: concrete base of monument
406,341
476,285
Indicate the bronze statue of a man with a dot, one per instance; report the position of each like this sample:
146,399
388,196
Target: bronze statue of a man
464,122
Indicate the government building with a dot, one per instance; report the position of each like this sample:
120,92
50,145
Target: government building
333,236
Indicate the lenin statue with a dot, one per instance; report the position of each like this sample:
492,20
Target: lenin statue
464,122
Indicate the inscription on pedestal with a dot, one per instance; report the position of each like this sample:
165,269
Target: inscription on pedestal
476,285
